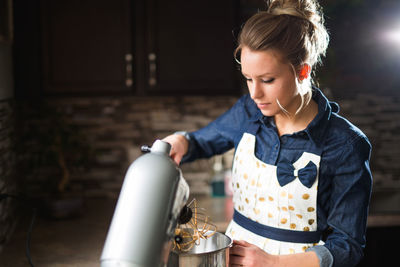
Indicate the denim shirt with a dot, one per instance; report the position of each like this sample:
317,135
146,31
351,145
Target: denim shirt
345,180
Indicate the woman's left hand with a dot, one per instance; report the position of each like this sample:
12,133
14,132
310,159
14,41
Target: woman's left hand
243,253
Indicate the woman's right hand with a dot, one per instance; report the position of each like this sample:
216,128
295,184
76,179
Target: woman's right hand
179,146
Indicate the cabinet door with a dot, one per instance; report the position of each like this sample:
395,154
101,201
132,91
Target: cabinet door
190,47
86,46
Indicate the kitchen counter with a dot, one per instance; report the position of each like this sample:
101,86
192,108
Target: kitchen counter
383,220
220,211
79,241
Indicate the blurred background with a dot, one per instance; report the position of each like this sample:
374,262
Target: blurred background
84,84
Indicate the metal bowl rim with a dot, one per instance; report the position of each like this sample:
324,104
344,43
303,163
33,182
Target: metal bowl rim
186,254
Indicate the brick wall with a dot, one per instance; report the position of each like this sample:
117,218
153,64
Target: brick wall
8,183
118,126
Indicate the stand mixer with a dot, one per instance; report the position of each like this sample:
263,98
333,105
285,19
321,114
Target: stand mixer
152,198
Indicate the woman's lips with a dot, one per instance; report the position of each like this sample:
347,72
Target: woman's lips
263,105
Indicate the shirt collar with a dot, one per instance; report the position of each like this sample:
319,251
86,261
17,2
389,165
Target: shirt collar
318,126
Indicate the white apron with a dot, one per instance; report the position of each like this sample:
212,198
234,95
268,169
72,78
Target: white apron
278,219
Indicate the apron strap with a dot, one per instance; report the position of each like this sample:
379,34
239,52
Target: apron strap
276,233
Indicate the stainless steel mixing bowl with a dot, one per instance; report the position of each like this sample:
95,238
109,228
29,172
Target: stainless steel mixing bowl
210,252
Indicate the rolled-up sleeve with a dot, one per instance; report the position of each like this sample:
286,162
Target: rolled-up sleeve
349,202
324,255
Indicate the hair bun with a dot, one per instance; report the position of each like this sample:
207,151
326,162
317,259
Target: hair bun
304,9
291,11
310,11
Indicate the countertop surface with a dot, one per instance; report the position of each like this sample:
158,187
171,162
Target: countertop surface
79,241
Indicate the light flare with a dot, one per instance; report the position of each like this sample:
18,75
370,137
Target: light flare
392,36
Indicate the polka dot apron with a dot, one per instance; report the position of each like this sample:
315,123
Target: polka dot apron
278,219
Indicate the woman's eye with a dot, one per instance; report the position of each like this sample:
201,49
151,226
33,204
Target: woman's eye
268,81
262,80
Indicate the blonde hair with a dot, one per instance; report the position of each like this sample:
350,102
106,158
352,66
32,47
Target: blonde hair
296,29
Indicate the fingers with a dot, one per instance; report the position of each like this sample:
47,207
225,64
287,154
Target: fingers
243,253
237,253
237,250
242,243
176,157
236,260
179,146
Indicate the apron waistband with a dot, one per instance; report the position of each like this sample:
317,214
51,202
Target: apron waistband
276,233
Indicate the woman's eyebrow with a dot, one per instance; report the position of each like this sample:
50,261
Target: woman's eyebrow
261,75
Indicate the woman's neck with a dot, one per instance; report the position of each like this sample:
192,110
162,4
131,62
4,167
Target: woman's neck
291,123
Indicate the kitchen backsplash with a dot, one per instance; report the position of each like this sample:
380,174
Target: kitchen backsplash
117,127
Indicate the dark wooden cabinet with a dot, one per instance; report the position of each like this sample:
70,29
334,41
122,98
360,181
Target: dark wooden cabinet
86,46
190,46
139,47
127,47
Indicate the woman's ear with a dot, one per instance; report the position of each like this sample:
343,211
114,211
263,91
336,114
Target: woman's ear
304,72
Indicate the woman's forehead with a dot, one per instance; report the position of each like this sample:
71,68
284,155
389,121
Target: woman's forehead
267,60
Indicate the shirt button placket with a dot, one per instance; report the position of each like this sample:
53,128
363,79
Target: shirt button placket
275,152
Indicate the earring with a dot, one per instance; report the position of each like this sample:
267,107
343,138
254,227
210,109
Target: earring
304,72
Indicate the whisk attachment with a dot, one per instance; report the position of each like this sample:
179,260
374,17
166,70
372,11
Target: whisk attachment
178,239
185,215
193,225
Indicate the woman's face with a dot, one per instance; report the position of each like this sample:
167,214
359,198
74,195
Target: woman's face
269,80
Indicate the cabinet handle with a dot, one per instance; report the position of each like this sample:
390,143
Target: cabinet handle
128,69
152,69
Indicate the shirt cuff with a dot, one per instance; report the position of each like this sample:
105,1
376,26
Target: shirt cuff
324,255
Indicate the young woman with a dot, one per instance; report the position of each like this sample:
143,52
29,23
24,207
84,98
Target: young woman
301,175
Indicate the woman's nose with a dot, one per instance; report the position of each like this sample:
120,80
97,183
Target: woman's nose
255,90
